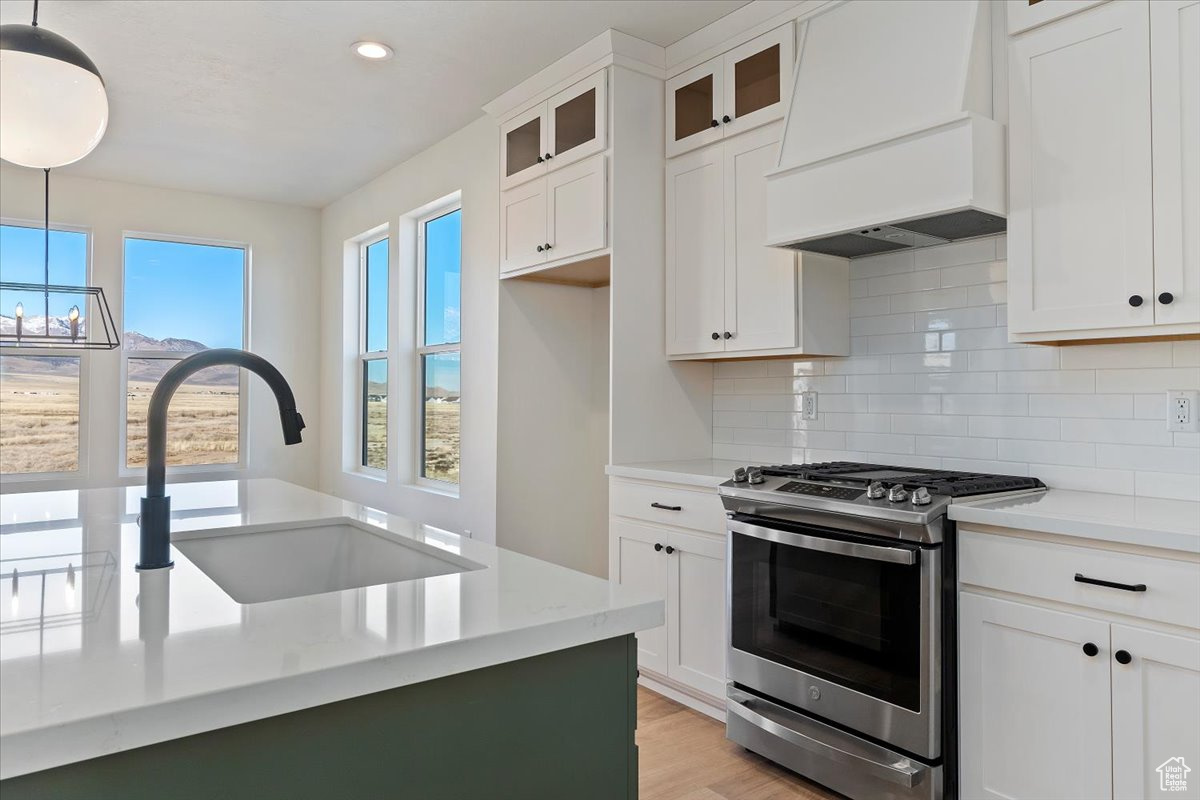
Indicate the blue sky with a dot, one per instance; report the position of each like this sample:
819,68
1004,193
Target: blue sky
21,260
443,278
185,291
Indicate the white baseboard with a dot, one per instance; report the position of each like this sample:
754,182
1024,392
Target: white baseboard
697,701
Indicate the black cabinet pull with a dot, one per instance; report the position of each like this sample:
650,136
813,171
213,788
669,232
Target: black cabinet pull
726,119
657,547
728,335
1166,298
540,248
1090,650
540,159
1122,656
670,549
666,508
547,245
1135,300
716,336
1125,587
548,156
714,124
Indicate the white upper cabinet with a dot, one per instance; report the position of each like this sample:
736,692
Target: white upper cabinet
696,253
1104,188
1026,14
731,93
559,216
1175,87
728,294
570,126
1080,245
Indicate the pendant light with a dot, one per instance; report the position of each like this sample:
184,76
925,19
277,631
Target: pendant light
53,111
52,98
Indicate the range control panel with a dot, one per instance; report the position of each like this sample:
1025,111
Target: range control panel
818,490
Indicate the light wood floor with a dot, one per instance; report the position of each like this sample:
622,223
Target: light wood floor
684,755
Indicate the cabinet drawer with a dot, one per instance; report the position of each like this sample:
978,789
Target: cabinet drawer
685,508
1048,570
1026,14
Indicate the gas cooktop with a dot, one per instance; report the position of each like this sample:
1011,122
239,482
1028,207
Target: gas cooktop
944,482
912,500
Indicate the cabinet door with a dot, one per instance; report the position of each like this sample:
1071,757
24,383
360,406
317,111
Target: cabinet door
696,252
758,80
1175,86
577,121
1033,706
1156,714
760,281
522,147
633,561
577,205
1079,222
694,107
696,612
523,226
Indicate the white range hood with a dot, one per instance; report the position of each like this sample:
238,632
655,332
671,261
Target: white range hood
889,141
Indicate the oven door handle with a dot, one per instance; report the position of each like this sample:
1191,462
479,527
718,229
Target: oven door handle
900,772
874,552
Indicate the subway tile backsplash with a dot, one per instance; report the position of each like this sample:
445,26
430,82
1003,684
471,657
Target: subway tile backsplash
934,382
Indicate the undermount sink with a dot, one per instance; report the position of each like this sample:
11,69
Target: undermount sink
256,563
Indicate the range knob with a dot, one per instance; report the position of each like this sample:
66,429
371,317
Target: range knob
876,490
897,494
921,496
739,475
754,475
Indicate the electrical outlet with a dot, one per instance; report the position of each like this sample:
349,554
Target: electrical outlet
1181,410
808,405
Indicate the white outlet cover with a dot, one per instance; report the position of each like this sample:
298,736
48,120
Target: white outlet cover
1182,412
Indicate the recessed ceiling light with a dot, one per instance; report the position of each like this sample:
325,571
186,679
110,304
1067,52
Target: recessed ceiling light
372,51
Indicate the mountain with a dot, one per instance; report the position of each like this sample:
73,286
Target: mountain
27,362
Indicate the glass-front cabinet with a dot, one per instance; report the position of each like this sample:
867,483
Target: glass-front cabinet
736,91
570,126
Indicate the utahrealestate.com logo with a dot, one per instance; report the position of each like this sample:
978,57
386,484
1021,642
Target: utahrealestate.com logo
1172,775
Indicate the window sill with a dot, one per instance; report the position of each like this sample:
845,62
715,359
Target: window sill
376,475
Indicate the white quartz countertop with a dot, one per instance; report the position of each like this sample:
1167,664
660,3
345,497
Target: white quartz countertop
1144,521
100,668
699,472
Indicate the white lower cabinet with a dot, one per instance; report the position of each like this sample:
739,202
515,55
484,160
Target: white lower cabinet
688,570
1155,712
1076,701
1034,707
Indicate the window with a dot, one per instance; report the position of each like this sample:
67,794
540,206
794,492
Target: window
39,393
373,353
439,342
181,298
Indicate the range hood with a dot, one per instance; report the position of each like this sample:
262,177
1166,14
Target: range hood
889,141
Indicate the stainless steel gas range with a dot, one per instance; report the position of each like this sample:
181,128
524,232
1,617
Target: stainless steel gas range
841,621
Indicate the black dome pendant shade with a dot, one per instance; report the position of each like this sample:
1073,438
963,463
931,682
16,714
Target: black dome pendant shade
41,42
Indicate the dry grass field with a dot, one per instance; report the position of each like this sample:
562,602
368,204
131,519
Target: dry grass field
377,433
39,422
443,429
202,424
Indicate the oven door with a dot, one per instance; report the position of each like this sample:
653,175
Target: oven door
842,626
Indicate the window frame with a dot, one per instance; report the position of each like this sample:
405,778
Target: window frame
421,350
364,356
241,465
80,473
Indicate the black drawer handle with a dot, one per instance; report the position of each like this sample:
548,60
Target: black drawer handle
1125,587
666,508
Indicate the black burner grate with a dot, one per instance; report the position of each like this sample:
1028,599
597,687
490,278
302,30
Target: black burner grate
943,482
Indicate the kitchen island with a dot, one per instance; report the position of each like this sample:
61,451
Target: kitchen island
510,678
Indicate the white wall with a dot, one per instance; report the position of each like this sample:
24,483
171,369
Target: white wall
933,382
464,162
284,243
552,493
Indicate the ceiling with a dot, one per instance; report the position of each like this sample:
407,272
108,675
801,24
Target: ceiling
265,100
